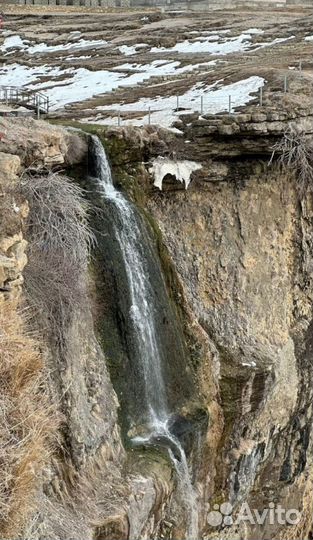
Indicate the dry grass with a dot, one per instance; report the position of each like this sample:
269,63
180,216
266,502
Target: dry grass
26,421
55,283
82,500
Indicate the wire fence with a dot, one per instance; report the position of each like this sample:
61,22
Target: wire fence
185,104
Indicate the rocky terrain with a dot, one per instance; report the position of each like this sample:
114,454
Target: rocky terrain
227,199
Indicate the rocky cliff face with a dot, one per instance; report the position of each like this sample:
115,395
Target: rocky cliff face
82,487
236,252
239,242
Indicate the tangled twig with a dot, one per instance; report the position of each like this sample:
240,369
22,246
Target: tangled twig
295,152
59,244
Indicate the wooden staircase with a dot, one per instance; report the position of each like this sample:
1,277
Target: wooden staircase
36,101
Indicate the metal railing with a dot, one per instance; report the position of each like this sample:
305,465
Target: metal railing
37,101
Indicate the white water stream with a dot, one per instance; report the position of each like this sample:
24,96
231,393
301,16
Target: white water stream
142,315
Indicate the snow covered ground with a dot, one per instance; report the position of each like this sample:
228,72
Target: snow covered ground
129,50
76,85
206,42
163,110
81,84
19,75
12,43
178,79
220,45
212,44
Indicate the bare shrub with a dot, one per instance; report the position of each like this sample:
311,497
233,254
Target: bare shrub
295,153
58,216
26,421
59,244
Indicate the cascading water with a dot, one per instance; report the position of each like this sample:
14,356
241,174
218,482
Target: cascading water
129,236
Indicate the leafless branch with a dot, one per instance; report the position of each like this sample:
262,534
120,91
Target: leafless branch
59,244
295,153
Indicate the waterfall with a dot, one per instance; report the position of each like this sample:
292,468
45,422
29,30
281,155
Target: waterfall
131,241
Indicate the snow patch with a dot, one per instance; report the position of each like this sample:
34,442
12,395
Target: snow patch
19,75
83,57
163,110
13,42
182,170
308,38
16,42
78,45
275,41
163,68
220,44
129,50
81,84
255,31
210,44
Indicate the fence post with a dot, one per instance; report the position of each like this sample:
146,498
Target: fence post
177,102
6,96
261,96
300,66
285,84
119,118
38,108
149,116
229,104
201,110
